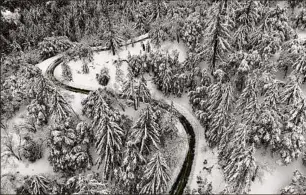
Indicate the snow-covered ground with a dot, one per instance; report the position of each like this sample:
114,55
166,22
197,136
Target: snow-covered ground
274,176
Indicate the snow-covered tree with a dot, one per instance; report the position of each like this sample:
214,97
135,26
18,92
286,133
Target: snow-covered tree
268,124
292,92
69,149
297,185
292,144
81,52
36,185
158,33
103,78
220,104
100,103
249,94
38,112
87,185
108,145
51,46
217,37
146,130
271,32
66,71
113,39
142,92
237,159
198,97
31,150
300,19
299,66
158,8
192,31
60,108
129,91
156,176
247,16
131,170
141,23
297,114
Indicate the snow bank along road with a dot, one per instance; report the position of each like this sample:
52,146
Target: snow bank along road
182,178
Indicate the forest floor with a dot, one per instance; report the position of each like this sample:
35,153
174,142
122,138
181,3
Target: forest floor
272,177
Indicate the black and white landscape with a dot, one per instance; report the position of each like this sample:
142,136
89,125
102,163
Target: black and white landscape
153,97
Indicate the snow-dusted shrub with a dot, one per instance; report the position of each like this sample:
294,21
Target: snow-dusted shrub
297,185
103,78
69,147
87,185
292,143
51,46
38,112
66,71
31,150
35,185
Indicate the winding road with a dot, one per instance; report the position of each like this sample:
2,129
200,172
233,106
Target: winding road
183,176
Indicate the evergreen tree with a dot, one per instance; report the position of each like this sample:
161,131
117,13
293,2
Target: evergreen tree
59,108
247,16
36,184
69,151
142,91
219,112
129,92
131,169
292,92
158,33
156,175
299,66
217,37
298,114
146,130
141,24
237,159
198,97
249,94
66,72
241,169
192,31
113,39
108,145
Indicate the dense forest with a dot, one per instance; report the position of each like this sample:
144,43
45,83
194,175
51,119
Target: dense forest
242,75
